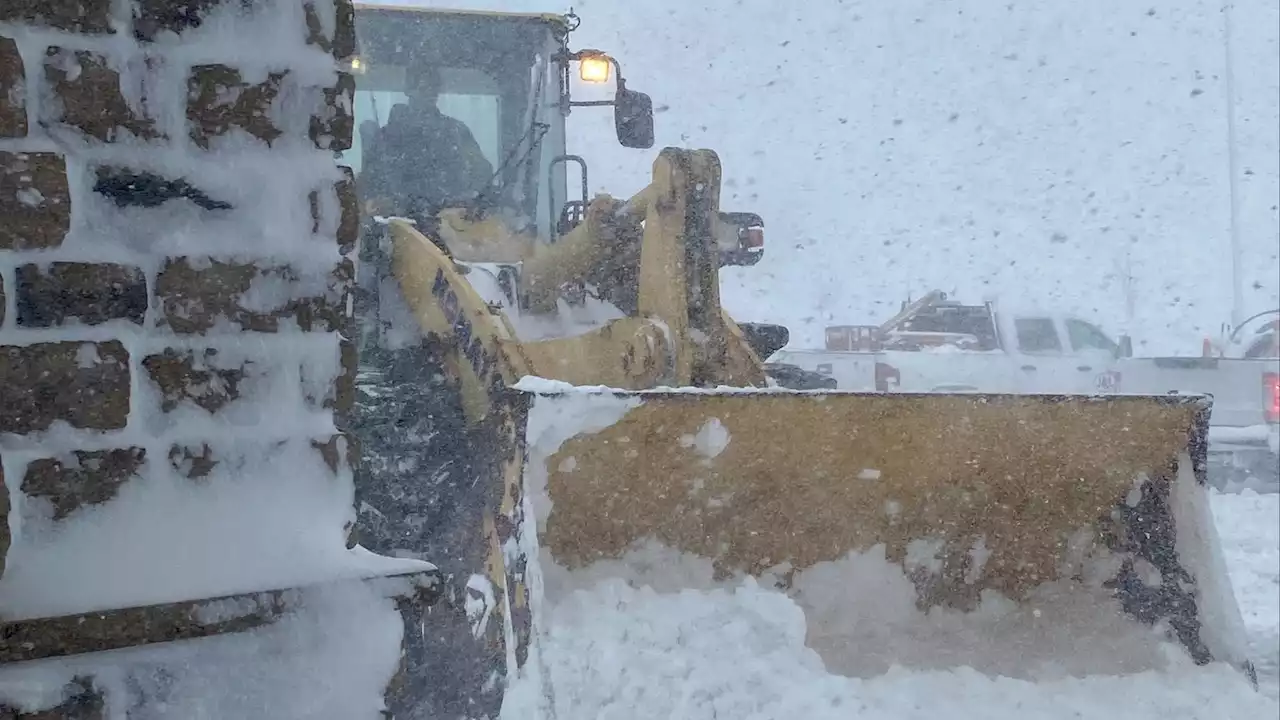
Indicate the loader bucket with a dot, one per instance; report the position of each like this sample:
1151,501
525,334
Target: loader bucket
1021,535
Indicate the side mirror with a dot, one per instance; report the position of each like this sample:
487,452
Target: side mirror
633,119
1125,350
739,238
765,338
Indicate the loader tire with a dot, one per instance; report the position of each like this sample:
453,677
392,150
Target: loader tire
416,497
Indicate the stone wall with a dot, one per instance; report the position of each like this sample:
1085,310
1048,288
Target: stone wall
175,268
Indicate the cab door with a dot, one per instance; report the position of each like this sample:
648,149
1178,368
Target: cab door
1042,358
1096,355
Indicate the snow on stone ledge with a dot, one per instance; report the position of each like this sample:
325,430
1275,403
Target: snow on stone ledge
273,519
329,659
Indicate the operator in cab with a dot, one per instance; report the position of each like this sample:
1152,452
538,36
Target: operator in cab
422,160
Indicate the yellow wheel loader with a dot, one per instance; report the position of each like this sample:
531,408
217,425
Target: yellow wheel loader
549,385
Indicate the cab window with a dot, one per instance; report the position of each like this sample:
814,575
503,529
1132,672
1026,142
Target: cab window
471,98
1037,335
1085,336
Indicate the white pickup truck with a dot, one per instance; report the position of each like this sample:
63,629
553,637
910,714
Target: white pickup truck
937,345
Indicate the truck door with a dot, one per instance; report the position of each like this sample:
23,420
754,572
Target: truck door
1041,358
1096,356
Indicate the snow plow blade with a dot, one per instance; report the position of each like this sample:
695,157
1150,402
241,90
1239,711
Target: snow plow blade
1056,503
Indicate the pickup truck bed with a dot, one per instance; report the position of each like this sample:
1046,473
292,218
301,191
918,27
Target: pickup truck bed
1244,437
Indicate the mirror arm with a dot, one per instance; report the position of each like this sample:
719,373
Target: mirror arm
565,57
617,70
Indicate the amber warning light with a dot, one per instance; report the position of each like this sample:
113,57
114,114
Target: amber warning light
594,67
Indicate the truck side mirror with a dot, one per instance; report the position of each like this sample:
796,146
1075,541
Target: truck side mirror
633,119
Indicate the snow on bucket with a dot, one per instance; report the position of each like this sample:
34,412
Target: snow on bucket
1026,536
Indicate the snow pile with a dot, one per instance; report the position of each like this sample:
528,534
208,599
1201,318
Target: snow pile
328,659
657,638
1249,524
861,618
620,653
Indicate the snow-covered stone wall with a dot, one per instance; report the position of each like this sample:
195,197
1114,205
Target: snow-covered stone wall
175,279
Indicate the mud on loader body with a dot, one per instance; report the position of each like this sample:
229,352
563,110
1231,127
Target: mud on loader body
664,429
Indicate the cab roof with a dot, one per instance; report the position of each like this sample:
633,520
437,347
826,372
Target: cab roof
548,18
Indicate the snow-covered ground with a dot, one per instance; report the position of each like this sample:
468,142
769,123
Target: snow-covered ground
615,652
1249,525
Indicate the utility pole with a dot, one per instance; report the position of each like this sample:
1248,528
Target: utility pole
1130,295
1233,167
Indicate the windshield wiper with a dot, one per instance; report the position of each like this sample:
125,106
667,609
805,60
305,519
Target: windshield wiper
534,134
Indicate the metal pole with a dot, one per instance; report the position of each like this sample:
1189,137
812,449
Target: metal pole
1233,167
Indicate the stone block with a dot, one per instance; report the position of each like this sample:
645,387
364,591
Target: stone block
82,700
153,18
86,94
83,384
76,16
192,463
344,400
34,201
339,39
195,377
13,80
334,450
93,478
349,221
325,389
196,296
348,211
332,124
198,461
219,100
62,293
333,314
140,188
344,36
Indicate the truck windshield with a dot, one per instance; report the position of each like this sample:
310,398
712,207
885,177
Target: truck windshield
476,103
493,77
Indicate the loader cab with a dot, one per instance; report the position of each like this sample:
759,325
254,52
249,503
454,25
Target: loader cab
507,78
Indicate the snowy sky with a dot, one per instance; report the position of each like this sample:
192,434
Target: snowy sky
1062,155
